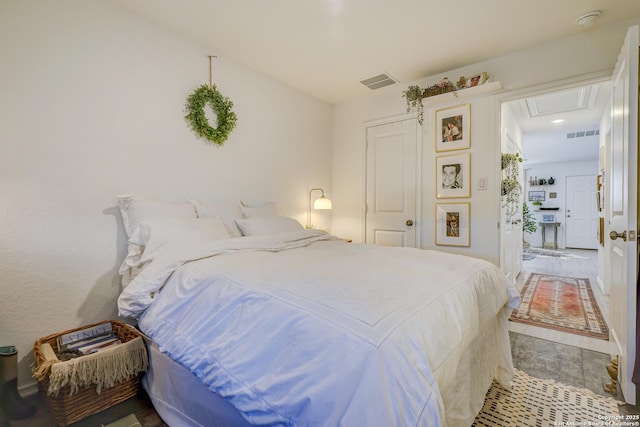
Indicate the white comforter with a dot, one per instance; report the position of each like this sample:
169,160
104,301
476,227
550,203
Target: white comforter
302,329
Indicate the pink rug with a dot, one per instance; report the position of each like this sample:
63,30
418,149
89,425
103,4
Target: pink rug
562,303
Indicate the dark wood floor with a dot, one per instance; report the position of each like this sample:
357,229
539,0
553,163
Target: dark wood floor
139,405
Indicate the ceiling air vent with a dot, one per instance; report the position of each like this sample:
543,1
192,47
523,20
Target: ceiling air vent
381,80
582,134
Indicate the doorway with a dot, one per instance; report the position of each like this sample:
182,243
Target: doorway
560,136
618,255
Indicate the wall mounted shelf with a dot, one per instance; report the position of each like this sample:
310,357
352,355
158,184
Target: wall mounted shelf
541,182
469,92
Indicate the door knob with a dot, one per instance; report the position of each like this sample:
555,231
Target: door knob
409,223
614,235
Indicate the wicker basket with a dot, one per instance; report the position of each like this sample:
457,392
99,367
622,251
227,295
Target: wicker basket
68,408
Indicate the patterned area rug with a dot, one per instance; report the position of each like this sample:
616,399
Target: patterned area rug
561,303
531,253
542,403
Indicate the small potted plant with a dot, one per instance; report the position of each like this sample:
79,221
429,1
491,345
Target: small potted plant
529,224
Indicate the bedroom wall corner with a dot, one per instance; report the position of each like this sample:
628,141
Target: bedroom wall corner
92,106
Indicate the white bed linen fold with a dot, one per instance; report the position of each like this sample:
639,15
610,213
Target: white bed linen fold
302,329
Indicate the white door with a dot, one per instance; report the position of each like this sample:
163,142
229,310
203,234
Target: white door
511,234
622,252
390,218
581,219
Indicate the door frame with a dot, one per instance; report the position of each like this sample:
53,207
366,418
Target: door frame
516,94
418,191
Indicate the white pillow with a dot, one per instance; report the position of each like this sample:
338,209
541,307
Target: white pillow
229,211
135,210
158,234
267,225
270,209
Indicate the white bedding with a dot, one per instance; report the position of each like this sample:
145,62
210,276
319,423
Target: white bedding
302,329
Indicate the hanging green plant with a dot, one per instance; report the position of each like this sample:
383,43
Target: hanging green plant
413,95
510,185
196,104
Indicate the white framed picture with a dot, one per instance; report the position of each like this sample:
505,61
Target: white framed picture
453,176
452,224
453,130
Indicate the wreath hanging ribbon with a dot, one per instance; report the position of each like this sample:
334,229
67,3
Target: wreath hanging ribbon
196,103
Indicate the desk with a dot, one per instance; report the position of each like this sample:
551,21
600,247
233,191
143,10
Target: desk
543,229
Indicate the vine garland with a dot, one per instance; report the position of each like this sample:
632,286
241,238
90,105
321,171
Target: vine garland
222,105
510,185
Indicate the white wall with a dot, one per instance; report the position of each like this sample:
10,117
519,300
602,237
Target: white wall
91,106
559,172
538,65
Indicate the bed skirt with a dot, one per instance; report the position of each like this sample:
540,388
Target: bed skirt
182,400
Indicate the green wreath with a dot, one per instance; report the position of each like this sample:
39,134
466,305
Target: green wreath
227,119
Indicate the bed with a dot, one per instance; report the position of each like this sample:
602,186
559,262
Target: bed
275,325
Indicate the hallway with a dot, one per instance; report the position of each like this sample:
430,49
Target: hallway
567,358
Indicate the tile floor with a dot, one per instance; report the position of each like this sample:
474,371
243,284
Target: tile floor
571,359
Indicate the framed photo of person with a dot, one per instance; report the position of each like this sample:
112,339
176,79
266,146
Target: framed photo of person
453,176
452,224
453,130
477,80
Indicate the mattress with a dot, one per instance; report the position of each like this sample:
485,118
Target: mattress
304,329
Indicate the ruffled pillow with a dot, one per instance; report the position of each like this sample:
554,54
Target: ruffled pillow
155,235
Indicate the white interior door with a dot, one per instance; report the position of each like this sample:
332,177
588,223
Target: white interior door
390,218
622,253
511,234
581,219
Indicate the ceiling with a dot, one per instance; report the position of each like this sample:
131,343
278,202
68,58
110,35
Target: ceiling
576,138
326,47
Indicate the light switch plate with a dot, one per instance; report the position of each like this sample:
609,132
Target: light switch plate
482,183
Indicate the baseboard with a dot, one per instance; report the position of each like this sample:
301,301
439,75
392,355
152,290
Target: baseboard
614,343
28,389
600,285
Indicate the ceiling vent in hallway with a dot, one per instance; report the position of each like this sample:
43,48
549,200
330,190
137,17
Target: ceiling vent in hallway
381,80
582,134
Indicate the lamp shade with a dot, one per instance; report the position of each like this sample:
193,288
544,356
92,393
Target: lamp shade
322,204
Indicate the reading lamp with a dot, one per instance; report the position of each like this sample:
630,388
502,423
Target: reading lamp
319,204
